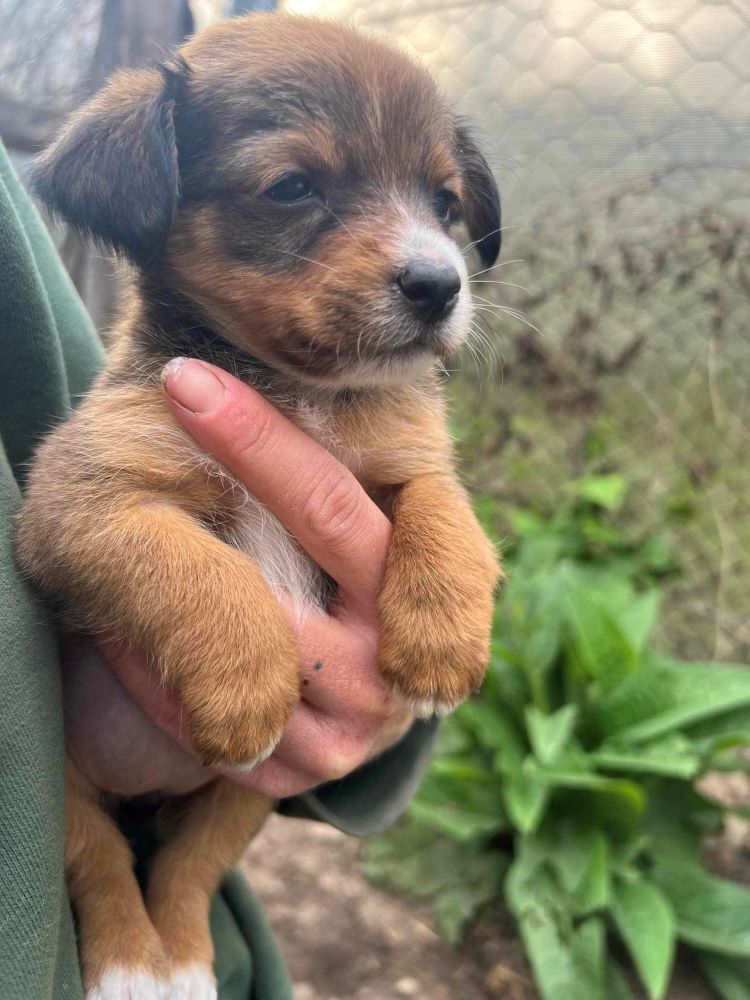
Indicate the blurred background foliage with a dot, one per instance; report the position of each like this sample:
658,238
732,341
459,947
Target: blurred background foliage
574,788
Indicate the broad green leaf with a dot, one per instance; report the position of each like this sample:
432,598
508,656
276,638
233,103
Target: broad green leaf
596,644
580,855
494,729
604,491
455,907
668,696
711,913
465,810
565,965
597,783
454,737
525,794
673,756
615,805
730,977
592,891
714,735
533,615
460,768
413,859
548,734
644,918
638,618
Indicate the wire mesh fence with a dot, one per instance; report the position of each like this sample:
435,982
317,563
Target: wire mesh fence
620,133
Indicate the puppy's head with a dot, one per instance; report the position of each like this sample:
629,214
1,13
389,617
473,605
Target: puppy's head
297,181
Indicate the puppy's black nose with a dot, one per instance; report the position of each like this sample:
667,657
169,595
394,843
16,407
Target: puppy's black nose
430,287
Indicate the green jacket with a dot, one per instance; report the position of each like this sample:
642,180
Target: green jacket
49,353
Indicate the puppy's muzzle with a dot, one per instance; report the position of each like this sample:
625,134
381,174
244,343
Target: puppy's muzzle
430,287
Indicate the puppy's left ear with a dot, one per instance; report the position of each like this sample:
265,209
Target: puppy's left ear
481,198
113,173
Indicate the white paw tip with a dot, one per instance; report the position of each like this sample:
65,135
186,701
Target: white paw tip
427,708
128,984
246,766
193,982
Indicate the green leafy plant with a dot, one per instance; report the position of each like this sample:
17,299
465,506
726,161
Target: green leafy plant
569,787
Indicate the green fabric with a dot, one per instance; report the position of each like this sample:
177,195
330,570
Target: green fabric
49,353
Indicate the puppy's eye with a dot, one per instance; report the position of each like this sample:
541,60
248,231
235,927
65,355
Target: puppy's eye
444,205
291,189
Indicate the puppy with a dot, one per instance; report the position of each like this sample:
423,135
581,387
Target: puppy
286,191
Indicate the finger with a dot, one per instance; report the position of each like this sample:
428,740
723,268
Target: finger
316,498
338,666
329,747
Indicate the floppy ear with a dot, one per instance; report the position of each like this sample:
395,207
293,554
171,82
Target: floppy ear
481,199
113,173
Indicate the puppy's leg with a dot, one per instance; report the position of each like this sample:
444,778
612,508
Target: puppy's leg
121,955
436,605
214,828
200,609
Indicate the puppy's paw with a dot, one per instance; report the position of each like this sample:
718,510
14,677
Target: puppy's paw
191,982
436,605
430,668
128,984
240,703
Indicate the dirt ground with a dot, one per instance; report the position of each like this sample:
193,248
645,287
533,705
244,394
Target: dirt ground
343,939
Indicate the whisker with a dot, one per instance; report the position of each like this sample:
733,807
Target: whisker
511,284
308,259
514,313
342,224
503,263
485,338
502,229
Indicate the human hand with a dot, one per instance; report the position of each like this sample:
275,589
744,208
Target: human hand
346,714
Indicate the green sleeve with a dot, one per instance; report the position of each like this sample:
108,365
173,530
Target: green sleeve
37,946
50,354
373,797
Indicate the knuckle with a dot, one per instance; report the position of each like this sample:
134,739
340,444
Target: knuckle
335,509
249,435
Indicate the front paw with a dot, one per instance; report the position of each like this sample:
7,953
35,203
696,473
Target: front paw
435,609
239,703
431,667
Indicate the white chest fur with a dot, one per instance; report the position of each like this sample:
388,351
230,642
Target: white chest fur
258,533
284,564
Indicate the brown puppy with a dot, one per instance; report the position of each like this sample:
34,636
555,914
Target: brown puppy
285,191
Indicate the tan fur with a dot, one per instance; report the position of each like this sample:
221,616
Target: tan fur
216,827
116,931
125,520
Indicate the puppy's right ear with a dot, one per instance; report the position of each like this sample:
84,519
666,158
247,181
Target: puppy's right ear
113,172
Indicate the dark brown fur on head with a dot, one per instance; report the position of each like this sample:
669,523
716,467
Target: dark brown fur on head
172,167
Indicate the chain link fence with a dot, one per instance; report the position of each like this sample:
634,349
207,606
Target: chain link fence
619,131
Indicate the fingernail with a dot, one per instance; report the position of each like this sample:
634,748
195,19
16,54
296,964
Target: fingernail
192,385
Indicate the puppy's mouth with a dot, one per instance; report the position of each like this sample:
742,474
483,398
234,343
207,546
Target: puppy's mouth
439,338
393,350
